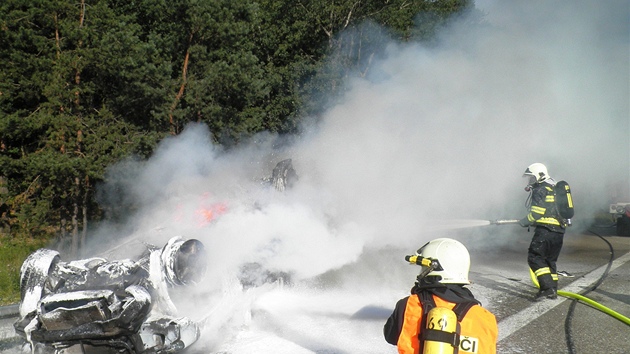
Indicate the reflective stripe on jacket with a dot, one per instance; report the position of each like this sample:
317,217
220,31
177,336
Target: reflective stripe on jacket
542,210
479,330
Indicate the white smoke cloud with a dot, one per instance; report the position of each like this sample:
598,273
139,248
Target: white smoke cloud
433,138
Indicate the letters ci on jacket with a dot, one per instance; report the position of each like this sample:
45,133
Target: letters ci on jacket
441,315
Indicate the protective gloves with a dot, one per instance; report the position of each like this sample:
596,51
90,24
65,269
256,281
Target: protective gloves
524,222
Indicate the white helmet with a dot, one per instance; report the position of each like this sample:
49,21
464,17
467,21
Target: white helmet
452,256
538,171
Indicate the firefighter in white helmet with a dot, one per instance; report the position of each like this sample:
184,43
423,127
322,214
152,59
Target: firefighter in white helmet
546,243
441,315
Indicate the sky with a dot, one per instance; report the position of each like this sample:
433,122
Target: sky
430,141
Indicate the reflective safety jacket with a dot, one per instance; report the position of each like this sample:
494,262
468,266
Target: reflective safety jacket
542,208
479,329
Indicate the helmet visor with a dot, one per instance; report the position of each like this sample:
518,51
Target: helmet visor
530,179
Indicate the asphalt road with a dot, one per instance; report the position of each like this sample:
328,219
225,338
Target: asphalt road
551,326
501,281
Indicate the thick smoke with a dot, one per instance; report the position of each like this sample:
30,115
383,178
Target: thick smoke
433,139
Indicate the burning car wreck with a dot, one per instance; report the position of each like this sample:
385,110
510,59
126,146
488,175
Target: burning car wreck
99,306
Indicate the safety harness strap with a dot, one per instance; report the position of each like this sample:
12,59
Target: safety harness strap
426,299
461,309
440,336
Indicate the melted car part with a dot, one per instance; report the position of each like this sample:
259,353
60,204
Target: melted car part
168,334
34,278
91,314
184,261
99,306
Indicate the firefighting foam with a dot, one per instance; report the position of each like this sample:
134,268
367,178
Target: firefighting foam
434,139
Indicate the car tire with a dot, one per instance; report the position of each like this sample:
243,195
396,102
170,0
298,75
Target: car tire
33,277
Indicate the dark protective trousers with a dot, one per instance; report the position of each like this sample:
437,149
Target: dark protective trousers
542,256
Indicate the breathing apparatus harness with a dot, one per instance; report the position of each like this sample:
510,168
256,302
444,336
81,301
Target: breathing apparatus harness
440,326
562,207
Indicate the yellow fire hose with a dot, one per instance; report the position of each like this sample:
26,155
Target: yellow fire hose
596,305
586,300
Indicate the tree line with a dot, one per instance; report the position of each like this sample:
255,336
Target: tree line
86,83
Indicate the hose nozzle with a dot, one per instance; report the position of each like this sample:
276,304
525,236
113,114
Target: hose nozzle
503,222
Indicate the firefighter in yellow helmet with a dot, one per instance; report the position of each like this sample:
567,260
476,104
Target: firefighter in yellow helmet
441,315
546,243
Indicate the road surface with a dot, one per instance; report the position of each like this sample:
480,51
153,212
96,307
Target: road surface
501,281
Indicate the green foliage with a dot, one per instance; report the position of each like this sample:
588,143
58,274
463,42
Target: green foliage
13,252
86,84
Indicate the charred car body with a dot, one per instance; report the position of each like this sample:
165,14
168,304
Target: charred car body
99,306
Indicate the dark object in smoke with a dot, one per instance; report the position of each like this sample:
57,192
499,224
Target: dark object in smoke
283,176
623,225
95,305
191,262
184,261
254,274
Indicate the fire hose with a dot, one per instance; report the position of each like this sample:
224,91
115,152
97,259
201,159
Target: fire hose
596,305
588,301
568,294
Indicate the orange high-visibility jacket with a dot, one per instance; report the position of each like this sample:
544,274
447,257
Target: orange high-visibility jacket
479,329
